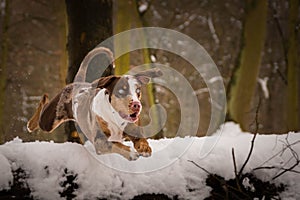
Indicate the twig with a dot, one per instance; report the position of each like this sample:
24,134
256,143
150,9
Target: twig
295,155
283,41
222,182
234,162
283,170
280,152
237,178
249,155
253,139
286,170
283,78
199,166
274,167
281,35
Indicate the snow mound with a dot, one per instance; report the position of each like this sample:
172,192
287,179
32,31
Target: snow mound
49,165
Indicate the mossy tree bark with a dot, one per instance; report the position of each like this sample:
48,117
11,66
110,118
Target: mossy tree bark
127,17
122,21
3,65
89,23
293,68
245,77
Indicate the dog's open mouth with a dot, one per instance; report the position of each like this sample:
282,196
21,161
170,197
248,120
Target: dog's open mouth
132,117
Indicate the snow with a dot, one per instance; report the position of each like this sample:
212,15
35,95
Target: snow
263,83
168,171
2,7
143,7
5,172
152,58
201,91
212,30
248,185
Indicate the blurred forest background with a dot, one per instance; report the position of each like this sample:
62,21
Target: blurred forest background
254,43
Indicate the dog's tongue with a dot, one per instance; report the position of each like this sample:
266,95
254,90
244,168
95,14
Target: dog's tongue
123,115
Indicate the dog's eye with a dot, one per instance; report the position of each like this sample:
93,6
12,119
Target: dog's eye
121,91
138,91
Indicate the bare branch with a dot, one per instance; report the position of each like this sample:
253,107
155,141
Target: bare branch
282,170
278,26
199,166
237,178
286,170
274,167
295,156
253,139
234,162
280,152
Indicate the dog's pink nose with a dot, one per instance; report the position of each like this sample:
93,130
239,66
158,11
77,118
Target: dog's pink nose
135,106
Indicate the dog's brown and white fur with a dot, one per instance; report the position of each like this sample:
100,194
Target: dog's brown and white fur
105,110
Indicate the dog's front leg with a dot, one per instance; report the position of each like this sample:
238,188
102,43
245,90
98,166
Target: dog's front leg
125,151
103,146
142,146
134,133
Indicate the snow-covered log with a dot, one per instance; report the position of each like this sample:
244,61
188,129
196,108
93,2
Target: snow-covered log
50,170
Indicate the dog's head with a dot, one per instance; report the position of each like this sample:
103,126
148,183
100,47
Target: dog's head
125,92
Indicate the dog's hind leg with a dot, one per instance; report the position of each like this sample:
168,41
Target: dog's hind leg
33,123
50,114
57,111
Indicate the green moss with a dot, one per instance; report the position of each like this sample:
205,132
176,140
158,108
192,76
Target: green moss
3,66
127,17
122,21
242,92
293,69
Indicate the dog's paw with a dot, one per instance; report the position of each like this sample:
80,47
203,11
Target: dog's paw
133,155
143,148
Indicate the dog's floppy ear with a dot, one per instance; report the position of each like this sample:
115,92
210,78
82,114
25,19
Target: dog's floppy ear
105,82
144,76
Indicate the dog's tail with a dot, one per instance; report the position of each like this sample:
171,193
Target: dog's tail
33,123
81,74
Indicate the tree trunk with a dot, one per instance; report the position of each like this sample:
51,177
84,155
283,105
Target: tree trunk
122,21
293,69
245,77
4,54
127,17
89,23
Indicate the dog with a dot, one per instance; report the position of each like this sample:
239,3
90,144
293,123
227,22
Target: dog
106,110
